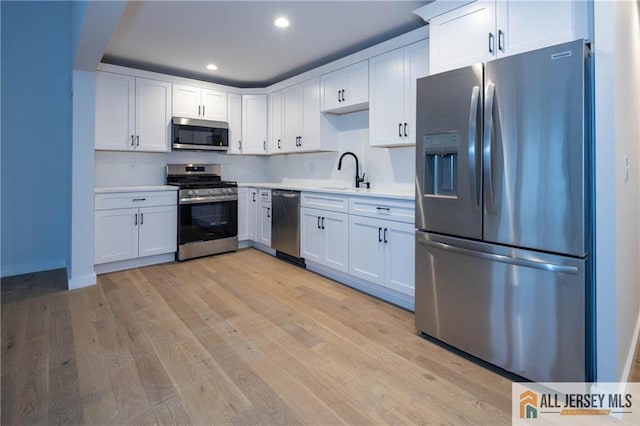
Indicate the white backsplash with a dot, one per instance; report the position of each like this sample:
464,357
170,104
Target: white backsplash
133,169
386,168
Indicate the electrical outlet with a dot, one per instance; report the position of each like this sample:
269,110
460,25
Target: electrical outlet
132,167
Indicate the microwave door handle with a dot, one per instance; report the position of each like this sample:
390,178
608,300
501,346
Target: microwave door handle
473,142
488,148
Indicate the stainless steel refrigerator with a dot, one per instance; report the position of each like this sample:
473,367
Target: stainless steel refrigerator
503,212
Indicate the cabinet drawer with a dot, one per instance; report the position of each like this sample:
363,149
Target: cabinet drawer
264,195
123,200
383,208
320,200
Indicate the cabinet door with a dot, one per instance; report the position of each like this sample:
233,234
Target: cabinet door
311,244
386,98
416,65
264,225
292,117
243,214
115,112
520,28
116,235
275,122
335,229
214,105
356,85
399,257
330,91
463,36
366,249
153,115
310,140
253,214
157,229
234,110
254,124
186,101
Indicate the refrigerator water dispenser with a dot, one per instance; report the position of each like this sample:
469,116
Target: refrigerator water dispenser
441,164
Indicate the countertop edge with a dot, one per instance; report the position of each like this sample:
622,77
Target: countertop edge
357,192
150,188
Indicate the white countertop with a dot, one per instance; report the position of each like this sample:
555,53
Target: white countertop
150,188
335,188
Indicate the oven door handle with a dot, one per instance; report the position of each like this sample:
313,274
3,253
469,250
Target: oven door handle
204,200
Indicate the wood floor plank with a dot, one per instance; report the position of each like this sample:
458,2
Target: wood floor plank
14,347
65,404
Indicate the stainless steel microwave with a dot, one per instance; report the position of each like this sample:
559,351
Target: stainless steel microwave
199,135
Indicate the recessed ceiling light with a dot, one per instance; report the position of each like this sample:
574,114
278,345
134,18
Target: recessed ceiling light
281,22
212,67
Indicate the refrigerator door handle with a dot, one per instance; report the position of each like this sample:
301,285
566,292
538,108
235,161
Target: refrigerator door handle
473,142
545,266
488,148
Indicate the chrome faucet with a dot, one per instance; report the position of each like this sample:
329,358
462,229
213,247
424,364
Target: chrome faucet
358,178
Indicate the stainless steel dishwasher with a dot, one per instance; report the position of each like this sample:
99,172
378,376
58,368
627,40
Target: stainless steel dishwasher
285,225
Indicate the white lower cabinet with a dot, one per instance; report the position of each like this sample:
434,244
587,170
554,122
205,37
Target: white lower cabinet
324,238
264,217
264,225
124,231
252,214
382,252
116,235
243,214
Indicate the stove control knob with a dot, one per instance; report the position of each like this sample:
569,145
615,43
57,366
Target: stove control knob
190,192
211,191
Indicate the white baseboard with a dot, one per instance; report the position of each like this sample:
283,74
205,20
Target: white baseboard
104,268
83,281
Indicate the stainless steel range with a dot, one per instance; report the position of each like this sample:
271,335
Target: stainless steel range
207,210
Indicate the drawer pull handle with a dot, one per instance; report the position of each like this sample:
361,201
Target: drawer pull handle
383,208
139,199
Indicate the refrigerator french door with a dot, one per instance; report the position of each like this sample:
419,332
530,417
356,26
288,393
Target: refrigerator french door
502,212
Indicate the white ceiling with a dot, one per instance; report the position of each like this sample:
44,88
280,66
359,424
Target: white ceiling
182,37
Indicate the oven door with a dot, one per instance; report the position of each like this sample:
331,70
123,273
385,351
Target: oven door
207,221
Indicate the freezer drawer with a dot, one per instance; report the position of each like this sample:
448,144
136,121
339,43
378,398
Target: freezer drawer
521,310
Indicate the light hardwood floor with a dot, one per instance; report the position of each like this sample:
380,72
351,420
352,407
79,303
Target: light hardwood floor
240,338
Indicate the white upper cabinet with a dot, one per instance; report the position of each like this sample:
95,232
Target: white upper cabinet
132,114
462,37
301,110
486,29
275,123
345,90
254,124
234,110
196,102
392,92
530,25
